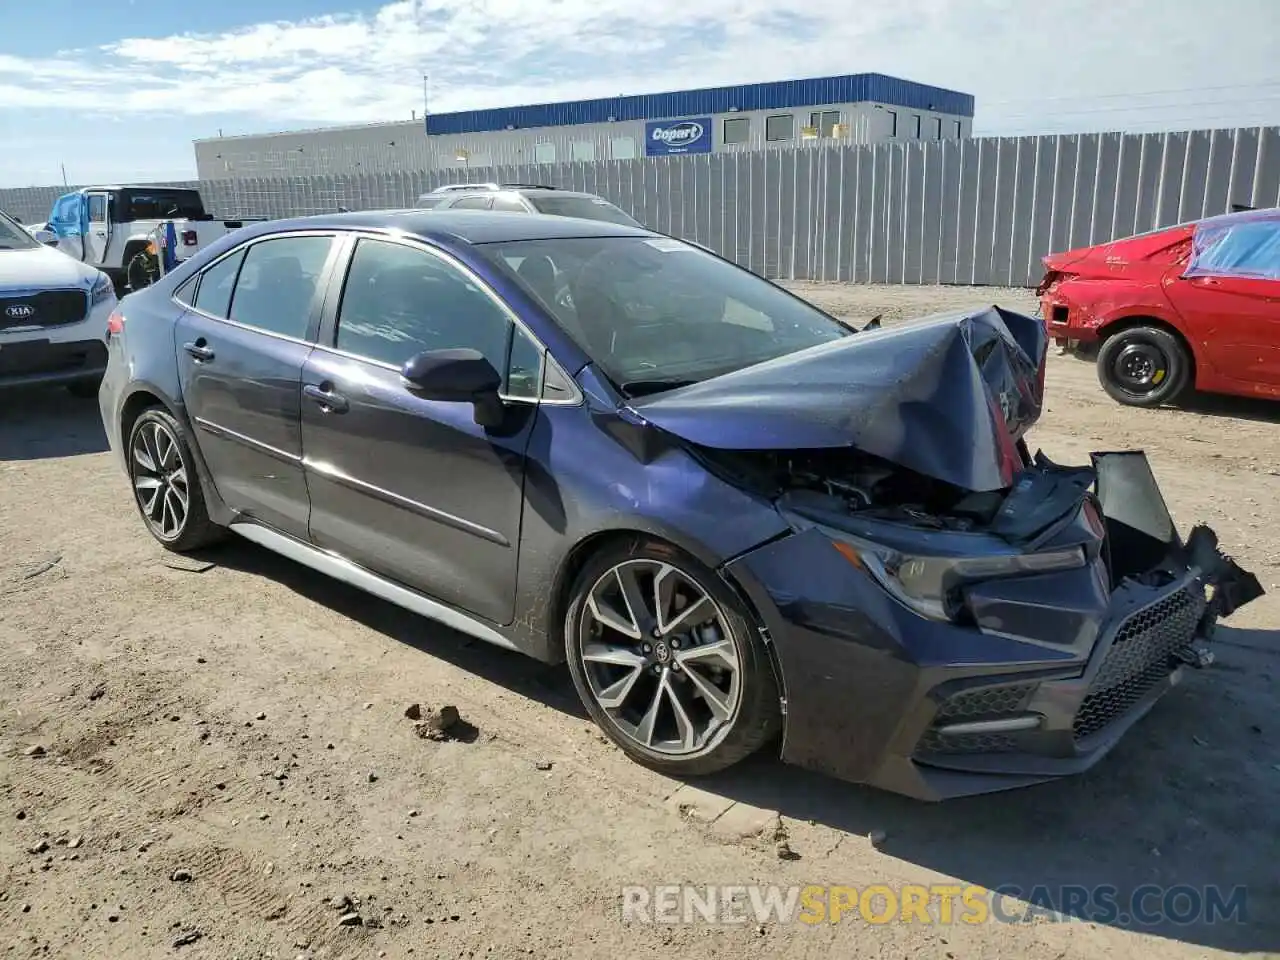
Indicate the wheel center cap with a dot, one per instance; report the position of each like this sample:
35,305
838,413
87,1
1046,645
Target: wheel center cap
661,652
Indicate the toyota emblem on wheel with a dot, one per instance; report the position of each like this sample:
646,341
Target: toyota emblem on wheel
20,311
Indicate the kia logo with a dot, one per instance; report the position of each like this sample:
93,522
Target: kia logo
20,311
678,134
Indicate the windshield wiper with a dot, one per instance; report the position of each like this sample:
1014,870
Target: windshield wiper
637,388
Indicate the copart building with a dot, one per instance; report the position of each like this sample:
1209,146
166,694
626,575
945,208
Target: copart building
855,108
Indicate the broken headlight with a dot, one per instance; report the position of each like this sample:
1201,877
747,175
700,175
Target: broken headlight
931,585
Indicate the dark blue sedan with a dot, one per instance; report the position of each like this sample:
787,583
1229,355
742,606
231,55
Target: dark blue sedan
735,516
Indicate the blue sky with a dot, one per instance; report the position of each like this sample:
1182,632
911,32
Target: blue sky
118,89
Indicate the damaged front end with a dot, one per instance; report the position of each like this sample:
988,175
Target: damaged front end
937,642
950,614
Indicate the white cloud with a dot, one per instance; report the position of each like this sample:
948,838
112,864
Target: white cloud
1032,66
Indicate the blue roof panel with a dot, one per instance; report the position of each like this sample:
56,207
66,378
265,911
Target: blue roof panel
778,95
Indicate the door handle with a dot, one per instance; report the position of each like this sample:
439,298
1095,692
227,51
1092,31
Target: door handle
202,353
323,395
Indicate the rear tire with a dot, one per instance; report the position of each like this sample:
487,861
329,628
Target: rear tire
166,485
687,691
1144,366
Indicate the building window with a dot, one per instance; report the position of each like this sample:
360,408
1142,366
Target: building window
582,150
779,127
937,128
736,130
544,152
825,121
916,122
622,148
893,122
959,130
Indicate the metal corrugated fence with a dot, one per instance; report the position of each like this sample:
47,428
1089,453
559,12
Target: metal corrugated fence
979,211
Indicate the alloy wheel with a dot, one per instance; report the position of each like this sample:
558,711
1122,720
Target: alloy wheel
160,480
659,658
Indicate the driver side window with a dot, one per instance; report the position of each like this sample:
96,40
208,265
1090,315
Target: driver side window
401,300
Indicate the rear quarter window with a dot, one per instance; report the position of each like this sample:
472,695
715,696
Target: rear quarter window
216,283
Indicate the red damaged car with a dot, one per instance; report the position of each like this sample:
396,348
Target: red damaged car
1191,306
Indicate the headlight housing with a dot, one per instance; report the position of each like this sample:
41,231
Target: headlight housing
930,585
103,289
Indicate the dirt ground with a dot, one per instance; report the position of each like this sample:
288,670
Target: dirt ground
240,726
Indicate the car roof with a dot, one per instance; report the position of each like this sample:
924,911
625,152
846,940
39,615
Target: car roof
468,226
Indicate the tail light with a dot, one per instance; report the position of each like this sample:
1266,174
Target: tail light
189,238
115,323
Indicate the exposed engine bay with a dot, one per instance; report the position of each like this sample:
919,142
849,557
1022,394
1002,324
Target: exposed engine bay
849,481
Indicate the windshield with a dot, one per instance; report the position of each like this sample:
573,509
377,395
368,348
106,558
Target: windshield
655,313
160,204
586,208
13,236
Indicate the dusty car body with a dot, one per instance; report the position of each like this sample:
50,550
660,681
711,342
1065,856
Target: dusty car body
736,517
1194,305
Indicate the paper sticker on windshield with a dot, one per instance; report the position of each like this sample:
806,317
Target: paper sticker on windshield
667,245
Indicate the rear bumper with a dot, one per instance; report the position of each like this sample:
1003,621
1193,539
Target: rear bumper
1065,321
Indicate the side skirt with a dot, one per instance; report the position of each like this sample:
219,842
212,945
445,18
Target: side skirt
342,569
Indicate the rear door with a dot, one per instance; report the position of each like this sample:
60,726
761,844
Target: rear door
99,237
1229,294
412,488
240,354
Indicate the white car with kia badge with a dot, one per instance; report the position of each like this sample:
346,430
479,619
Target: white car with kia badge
53,315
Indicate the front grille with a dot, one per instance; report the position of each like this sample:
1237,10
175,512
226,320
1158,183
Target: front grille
1142,656
48,308
986,703
934,742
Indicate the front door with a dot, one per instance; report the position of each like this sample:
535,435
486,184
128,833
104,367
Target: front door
410,488
240,356
1229,295
99,237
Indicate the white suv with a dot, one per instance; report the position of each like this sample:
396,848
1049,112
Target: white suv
524,198
53,314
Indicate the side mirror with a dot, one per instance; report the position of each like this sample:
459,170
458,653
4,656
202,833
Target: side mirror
460,375
47,237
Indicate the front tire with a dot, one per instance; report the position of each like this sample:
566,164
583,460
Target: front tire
1144,366
165,484
667,662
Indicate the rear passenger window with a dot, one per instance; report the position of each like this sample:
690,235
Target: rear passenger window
473,203
277,284
214,294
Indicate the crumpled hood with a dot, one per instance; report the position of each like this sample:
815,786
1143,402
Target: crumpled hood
946,396
42,268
